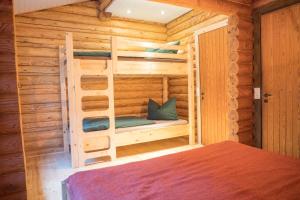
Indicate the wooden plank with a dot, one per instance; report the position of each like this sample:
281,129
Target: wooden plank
190,22
93,25
129,43
147,135
63,92
213,76
96,143
191,97
280,123
184,18
227,7
197,88
189,31
71,97
165,89
149,68
137,54
111,98
115,21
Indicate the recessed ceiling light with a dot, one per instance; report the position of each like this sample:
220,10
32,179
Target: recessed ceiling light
128,11
162,12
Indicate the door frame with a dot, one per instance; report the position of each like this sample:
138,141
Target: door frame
200,31
257,63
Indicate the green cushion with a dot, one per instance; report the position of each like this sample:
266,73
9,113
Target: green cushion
165,112
170,51
97,124
92,53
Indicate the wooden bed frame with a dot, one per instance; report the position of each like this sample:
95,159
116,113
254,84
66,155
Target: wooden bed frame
85,146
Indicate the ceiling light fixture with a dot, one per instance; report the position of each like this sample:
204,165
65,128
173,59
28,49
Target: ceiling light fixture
162,12
128,11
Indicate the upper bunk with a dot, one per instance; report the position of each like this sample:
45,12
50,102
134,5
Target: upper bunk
132,57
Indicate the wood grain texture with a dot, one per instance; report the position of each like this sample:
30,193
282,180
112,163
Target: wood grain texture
221,7
260,3
39,35
213,58
12,172
280,75
240,80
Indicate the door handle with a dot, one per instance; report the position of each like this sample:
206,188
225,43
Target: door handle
266,95
202,95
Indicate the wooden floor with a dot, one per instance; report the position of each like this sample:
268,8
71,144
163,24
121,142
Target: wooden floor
45,173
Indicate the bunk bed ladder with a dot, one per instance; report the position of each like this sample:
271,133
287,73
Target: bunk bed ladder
100,143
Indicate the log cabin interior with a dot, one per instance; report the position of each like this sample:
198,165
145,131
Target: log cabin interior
178,99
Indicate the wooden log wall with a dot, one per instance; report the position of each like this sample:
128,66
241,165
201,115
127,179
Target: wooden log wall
240,78
38,36
12,170
40,33
131,94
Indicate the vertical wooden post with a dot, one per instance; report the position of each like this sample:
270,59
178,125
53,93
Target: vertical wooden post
198,97
191,96
114,52
63,96
71,98
80,136
111,68
165,89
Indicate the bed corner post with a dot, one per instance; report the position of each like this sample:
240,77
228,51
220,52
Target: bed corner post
191,95
63,94
71,99
198,97
111,68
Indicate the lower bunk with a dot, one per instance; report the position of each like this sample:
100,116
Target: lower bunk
127,123
226,171
134,130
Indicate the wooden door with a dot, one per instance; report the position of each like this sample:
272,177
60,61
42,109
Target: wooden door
280,42
213,49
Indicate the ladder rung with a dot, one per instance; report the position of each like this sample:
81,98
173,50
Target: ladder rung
102,133
101,113
94,93
90,72
96,154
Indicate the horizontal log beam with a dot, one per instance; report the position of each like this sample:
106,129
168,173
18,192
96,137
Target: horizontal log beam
102,6
222,7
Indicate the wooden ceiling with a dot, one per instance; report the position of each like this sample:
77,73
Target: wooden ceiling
23,6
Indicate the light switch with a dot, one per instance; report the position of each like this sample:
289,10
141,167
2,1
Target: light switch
256,93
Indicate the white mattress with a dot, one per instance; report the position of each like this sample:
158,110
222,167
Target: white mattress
158,124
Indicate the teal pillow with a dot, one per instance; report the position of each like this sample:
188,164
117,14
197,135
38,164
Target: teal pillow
165,112
170,51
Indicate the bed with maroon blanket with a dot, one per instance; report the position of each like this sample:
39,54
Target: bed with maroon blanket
226,171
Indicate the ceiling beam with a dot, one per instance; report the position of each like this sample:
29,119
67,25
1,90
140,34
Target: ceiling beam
219,6
102,6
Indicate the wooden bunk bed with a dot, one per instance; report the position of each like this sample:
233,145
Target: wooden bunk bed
75,64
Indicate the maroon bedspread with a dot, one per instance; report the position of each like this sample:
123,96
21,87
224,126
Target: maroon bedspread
224,171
